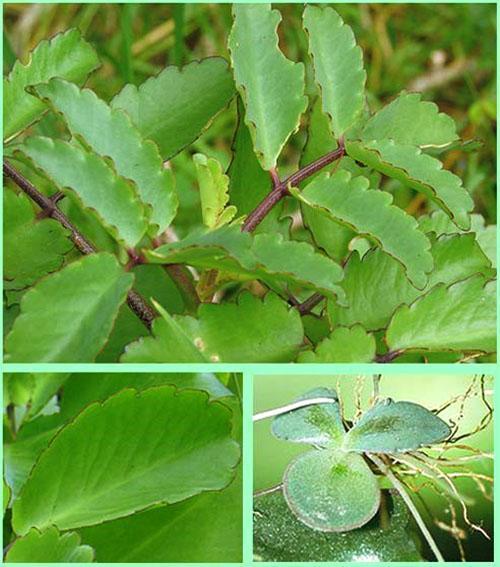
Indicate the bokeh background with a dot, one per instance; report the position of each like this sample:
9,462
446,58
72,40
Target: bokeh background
271,456
446,51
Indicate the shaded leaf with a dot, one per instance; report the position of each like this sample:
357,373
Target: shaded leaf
330,490
251,330
348,200
214,196
31,248
169,108
84,298
45,386
110,133
95,184
410,120
6,496
271,86
459,317
153,454
280,536
338,66
394,427
419,171
344,344
319,424
49,546
66,55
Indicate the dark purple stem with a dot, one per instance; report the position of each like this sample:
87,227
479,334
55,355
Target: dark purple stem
388,356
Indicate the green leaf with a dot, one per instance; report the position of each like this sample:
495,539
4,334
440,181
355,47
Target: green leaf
251,330
330,490
367,279
49,546
348,200
338,66
95,184
344,344
110,133
45,386
32,248
419,171
68,316
214,195
280,537
153,454
17,389
66,55
459,317
264,256
178,105
271,86
409,120
205,528
6,496
319,424
395,427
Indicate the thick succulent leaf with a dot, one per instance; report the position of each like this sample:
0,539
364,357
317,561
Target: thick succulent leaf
84,298
344,344
251,330
248,182
21,454
169,108
49,546
271,86
338,66
419,171
264,256
81,390
66,55
410,120
205,528
319,424
45,386
6,496
348,200
95,184
214,185
153,455
394,427
17,389
330,490
110,133
280,536
460,317
367,279
32,248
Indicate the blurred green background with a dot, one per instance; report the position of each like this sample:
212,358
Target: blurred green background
446,51
271,456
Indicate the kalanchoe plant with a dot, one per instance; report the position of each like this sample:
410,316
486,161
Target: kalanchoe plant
337,486
363,281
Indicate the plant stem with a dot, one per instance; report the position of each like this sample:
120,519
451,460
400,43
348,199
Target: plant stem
50,209
281,189
409,503
310,303
388,356
293,406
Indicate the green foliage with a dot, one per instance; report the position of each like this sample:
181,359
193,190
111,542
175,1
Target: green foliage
122,457
197,206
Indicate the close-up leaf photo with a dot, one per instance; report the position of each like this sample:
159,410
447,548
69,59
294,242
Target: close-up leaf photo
248,183
122,468
375,468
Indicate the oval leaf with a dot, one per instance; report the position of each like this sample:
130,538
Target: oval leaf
338,66
331,491
111,134
394,427
271,86
133,451
348,200
68,316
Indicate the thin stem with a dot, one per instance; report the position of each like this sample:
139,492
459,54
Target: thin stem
270,490
293,406
388,356
281,189
49,207
409,503
310,303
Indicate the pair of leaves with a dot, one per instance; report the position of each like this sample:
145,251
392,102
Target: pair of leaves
332,488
